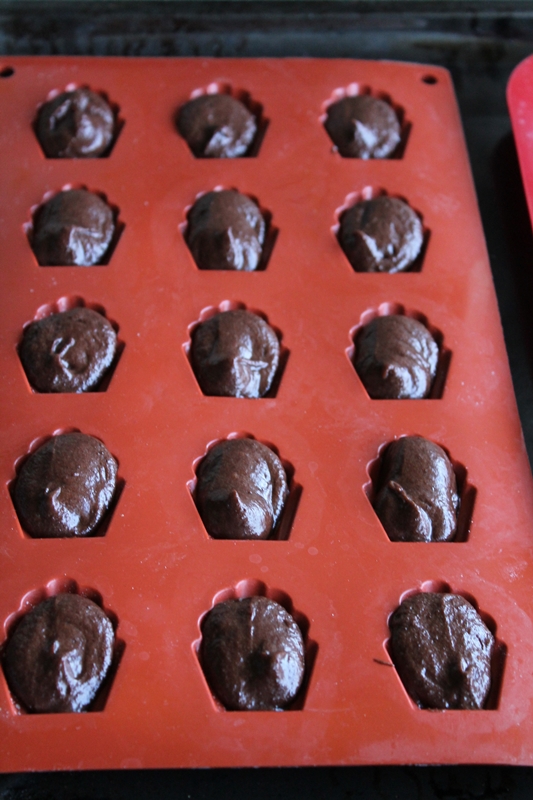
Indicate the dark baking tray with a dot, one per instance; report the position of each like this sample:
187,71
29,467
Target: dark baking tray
480,43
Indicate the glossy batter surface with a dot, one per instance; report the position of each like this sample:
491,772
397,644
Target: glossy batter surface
416,498
65,487
381,235
442,650
68,352
78,124
217,126
396,357
252,654
226,231
59,654
241,490
235,354
73,228
363,127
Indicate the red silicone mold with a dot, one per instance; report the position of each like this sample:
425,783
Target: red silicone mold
156,568
520,102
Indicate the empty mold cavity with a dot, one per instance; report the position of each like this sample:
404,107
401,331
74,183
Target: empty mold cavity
71,87
370,193
354,89
282,529
392,309
230,305
33,598
103,525
253,106
271,232
255,588
498,656
465,490
66,304
119,226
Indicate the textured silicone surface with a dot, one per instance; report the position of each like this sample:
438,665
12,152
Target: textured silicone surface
155,567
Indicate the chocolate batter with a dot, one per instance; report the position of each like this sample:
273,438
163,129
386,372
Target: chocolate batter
217,126
68,352
74,229
396,358
241,490
442,650
226,231
416,497
381,235
65,487
235,354
59,655
363,127
252,654
78,124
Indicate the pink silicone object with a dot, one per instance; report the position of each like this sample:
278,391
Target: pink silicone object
520,102
155,569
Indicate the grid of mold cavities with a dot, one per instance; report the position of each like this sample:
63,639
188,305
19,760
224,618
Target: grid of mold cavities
156,569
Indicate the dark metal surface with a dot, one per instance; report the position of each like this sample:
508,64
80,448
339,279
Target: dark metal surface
480,43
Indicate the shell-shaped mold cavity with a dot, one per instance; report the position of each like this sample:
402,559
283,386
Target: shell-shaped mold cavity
235,352
74,227
53,626
379,232
242,489
396,359
227,230
273,664
221,121
364,123
77,122
419,493
70,346
445,650
54,501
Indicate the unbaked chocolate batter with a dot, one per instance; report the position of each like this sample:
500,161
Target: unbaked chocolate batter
78,124
241,490
381,235
226,231
217,126
73,228
442,650
363,127
68,352
416,498
235,354
59,655
252,654
396,357
65,487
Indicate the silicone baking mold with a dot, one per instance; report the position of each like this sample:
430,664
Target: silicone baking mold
520,102
155,567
